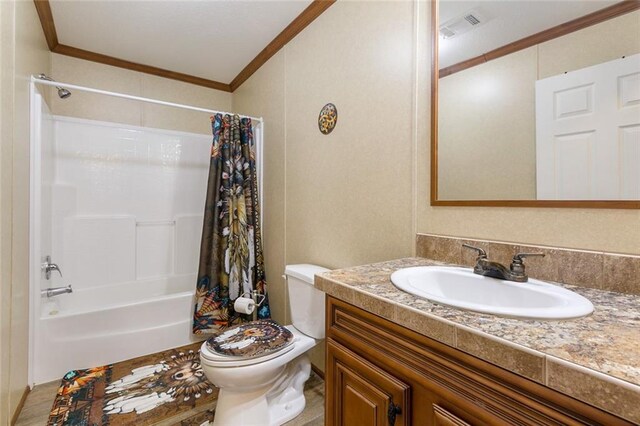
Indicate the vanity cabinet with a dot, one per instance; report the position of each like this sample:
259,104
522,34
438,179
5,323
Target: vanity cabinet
381,374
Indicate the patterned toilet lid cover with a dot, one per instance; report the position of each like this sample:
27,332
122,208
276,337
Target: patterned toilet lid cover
250,340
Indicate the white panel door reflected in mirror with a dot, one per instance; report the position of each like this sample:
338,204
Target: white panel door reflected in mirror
588,133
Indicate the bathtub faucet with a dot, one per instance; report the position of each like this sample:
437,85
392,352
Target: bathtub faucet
48,267
56,291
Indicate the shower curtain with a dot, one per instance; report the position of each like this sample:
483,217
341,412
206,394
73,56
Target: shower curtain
231,260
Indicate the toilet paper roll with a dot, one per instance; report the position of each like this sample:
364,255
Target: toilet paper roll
244,305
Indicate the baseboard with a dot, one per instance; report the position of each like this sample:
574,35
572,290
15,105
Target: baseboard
319,372
15,416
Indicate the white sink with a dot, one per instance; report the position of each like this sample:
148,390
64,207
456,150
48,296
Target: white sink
461,288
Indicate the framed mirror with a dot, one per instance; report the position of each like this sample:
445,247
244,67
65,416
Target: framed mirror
535,104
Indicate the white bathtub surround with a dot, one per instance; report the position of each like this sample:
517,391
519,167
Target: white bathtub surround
121,214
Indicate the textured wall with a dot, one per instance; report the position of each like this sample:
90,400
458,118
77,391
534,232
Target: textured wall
24,52
486,145
599,43
349,193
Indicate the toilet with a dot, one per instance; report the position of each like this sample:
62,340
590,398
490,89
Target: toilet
261,367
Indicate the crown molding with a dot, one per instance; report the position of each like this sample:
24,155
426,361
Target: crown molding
87,55
596,17
315,9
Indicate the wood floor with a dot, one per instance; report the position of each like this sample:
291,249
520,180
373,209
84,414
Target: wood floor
40,400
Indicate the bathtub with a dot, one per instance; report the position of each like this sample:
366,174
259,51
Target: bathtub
111,323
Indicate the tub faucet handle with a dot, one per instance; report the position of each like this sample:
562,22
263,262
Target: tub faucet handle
47,267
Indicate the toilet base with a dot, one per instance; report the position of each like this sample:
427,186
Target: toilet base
275,405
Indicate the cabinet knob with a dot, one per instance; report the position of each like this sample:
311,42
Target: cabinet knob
392,412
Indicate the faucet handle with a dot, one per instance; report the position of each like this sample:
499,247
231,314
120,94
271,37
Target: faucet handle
481,253
47,267
517,264
519,258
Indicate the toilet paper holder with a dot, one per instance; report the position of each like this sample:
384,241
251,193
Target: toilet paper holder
257,297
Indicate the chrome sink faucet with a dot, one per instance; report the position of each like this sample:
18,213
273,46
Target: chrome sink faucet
515,272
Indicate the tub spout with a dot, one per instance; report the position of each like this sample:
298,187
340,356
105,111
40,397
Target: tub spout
56,291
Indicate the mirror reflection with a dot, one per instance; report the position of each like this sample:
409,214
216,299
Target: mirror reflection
557,120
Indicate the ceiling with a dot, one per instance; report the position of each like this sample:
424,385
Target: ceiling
213,40
505,21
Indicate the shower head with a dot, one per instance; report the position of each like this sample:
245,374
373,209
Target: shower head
62,92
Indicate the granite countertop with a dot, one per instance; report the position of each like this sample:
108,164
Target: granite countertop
595,359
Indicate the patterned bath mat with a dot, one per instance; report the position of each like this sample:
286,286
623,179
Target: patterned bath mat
141,391
201,419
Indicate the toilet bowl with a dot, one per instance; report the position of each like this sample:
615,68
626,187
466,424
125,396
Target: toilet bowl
268,388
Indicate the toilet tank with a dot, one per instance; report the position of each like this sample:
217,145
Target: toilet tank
305,300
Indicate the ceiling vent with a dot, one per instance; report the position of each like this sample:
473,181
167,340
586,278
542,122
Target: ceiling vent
463,23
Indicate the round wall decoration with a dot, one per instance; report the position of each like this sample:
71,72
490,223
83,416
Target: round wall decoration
328,118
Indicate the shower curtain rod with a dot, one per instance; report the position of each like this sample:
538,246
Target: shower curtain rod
37,80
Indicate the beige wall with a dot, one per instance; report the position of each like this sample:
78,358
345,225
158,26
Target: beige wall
593,45
486,146
346,198
24,52
105,108
348,195
6,144
353,187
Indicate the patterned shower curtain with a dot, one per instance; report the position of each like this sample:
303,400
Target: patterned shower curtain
231,261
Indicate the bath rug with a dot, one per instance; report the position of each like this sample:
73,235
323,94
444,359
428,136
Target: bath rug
140,391
201,419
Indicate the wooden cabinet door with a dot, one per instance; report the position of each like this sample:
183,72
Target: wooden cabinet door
360,393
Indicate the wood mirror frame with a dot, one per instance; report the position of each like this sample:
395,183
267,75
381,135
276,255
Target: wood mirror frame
617,9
